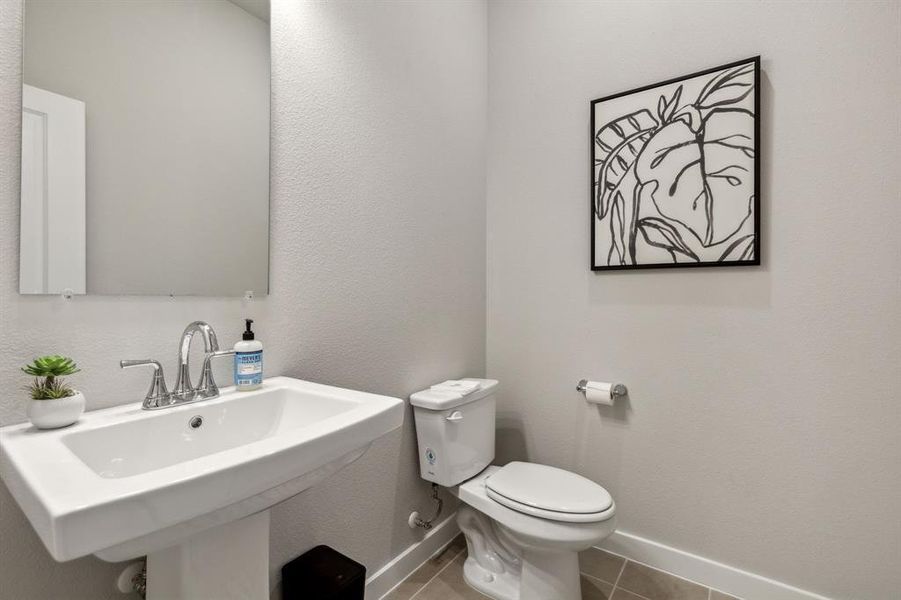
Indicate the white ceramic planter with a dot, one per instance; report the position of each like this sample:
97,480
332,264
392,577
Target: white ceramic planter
52,414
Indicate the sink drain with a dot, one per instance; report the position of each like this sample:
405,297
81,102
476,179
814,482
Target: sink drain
195,422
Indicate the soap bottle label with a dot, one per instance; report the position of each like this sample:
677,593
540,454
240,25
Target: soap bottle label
248,368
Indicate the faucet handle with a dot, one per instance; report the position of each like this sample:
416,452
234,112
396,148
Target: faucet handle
207,387
157,396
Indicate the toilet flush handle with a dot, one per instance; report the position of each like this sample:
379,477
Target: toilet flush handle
454,416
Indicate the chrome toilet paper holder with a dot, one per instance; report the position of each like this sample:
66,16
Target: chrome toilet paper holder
617,390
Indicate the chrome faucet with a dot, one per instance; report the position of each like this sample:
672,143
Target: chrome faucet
183,388
158,396
207,387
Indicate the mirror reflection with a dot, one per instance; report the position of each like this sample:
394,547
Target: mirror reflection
145,147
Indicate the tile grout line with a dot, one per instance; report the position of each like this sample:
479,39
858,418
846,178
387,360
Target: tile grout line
440,571
612,590
618,577
632,593
627,560
583,574
671,574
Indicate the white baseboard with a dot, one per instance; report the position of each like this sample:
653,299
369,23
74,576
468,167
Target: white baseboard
710,573
388,577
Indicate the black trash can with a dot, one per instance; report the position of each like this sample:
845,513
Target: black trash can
323,574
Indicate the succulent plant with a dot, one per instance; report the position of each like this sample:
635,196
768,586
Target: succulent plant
46,370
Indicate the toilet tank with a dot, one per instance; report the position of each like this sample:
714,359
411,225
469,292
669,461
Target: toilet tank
455,433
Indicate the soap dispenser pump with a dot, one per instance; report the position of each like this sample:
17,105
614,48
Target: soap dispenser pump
248,360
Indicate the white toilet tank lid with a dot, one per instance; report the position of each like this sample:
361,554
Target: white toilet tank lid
549,488
440,400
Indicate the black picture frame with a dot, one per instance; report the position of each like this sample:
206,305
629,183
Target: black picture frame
595,180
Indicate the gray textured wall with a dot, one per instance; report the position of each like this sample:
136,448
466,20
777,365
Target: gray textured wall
763,430
378,263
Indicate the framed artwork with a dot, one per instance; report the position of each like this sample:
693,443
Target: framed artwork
675,168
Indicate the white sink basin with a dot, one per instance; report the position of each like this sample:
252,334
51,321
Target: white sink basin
125,482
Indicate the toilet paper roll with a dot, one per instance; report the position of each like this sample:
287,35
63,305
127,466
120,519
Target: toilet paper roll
598,392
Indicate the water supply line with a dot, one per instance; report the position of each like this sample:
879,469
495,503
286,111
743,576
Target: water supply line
140,582
416,521
134,579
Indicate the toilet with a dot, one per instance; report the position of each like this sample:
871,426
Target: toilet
524,523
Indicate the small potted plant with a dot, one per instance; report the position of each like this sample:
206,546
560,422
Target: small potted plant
53,403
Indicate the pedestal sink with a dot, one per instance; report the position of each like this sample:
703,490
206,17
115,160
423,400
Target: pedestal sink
188,486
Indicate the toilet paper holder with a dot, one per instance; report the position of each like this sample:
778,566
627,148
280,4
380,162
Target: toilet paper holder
617,390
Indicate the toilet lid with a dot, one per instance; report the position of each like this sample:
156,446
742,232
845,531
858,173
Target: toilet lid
548,492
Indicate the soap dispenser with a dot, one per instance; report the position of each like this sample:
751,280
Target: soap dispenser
248,361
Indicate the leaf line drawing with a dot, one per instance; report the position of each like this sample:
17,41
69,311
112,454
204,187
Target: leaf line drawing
674,177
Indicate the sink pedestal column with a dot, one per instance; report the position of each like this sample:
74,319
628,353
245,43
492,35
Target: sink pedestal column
227,562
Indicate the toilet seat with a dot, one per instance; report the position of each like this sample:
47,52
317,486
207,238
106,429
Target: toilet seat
549,533
549,493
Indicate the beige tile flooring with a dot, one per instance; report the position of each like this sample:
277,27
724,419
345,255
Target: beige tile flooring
605,576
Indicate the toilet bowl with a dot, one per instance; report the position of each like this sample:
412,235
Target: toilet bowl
517,555
524,523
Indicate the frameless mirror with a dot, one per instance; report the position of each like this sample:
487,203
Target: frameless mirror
145,147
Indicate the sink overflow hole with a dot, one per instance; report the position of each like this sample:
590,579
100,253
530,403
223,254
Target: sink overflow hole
195,422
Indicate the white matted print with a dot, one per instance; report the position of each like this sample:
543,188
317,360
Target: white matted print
675,169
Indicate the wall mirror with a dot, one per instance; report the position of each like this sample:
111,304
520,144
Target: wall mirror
145,147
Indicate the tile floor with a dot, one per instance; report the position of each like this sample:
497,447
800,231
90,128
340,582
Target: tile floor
605,576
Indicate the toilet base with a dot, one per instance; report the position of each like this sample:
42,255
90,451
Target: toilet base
500,586
493,564
550,575
547,576
499,568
